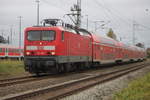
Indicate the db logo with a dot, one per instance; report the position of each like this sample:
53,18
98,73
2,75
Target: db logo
40,47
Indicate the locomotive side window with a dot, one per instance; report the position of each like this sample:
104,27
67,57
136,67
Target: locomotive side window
41,35
62,35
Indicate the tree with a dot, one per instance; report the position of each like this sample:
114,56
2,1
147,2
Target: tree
111,34
140,45
148,52
2,39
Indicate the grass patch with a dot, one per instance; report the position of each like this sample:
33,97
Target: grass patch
9,67
136,90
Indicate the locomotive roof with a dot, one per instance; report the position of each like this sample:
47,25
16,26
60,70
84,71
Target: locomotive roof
76,31
44,27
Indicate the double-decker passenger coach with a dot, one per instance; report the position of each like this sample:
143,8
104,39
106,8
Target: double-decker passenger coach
10,52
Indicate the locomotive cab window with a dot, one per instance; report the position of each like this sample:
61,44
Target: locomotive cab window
41,35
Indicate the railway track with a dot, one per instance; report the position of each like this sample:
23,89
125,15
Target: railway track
68,88
20,80
11,81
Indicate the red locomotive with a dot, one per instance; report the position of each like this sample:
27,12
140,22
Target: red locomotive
64,48
8,51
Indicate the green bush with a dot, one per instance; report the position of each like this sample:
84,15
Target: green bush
11,67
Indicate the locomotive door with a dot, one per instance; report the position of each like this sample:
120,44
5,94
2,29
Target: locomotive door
101,52
67,44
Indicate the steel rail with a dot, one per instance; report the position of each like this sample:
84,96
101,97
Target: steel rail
13,79
19,80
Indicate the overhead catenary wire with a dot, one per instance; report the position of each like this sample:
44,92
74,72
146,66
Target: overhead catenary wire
123,19
116,13
122,16
108,13
105,8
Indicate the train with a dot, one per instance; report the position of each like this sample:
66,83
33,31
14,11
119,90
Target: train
59,47
11,52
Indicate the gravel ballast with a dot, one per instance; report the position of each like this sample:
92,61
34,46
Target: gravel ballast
105,91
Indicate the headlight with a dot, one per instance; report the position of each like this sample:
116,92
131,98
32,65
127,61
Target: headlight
27,53
52,53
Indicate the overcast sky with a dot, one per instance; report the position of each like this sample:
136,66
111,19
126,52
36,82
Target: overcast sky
120,14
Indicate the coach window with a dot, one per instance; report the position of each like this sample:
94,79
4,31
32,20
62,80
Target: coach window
15,50
6,50
0,49
62,36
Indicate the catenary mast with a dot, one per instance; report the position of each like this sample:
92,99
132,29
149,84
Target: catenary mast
75,14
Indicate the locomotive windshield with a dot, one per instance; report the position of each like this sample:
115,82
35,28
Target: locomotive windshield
41,35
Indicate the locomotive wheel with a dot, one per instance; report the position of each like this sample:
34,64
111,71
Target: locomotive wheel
54,69
60,68
74,67
80,66
87,65
37,74
67,67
